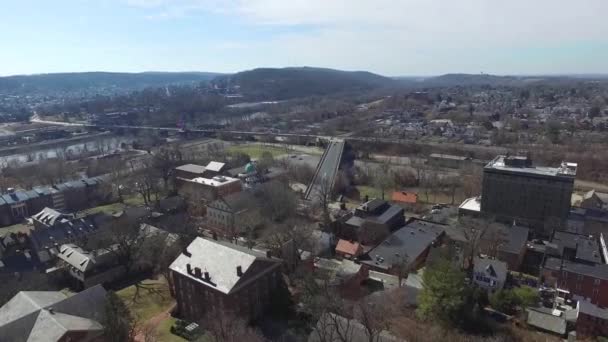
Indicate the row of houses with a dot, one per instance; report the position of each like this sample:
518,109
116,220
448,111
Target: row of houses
15,205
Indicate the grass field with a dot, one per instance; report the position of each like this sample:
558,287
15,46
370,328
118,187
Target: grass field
255,150
163,331
16,228
153,298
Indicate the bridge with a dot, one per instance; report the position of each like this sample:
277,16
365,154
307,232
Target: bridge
327,169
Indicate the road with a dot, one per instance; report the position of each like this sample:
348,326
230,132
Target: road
326,171
494,149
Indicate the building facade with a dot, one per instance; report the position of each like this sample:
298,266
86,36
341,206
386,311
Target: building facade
583,281
213,278
515,190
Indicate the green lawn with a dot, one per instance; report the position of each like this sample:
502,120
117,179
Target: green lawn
16,228
153,298
108,209
255,150
163,331
133,200
372,192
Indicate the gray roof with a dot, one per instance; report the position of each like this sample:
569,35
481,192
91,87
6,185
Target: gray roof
334,328
515,240
492,267
221,260
592,310
546,321
56,235
355,221
388,214
44,190
192,168
410,241
587,249
215,166
596,271
80,259
41,316
50,216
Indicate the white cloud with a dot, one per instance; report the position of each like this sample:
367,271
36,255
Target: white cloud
393,35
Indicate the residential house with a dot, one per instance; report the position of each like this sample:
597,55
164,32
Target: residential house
49,217
54,316
46,238
489,274
371,222
74,195
89,268
348,249
405,249
211,278
345,276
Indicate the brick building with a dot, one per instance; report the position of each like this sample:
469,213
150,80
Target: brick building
231,215
592,320
514,189
207,189
212,278
583,281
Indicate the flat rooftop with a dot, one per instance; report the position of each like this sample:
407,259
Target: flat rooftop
215,181
524,165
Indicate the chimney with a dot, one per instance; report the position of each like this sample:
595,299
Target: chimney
268,254
207,277
189,268
187,253
214,235
239,271
51,311
366,198
197,272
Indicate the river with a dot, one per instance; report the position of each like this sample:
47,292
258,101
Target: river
71,150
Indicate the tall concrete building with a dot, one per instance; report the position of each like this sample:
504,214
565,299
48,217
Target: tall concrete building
515,190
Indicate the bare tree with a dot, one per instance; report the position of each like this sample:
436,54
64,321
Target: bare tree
324,195
373,317
227,326
476,232
383,179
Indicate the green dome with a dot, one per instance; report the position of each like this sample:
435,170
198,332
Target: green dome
249,168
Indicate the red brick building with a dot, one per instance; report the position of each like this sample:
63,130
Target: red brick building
592,320
586,281
212,278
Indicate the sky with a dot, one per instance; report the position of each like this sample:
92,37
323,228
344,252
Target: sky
389,37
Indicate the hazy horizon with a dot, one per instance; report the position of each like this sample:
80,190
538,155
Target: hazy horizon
420,38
